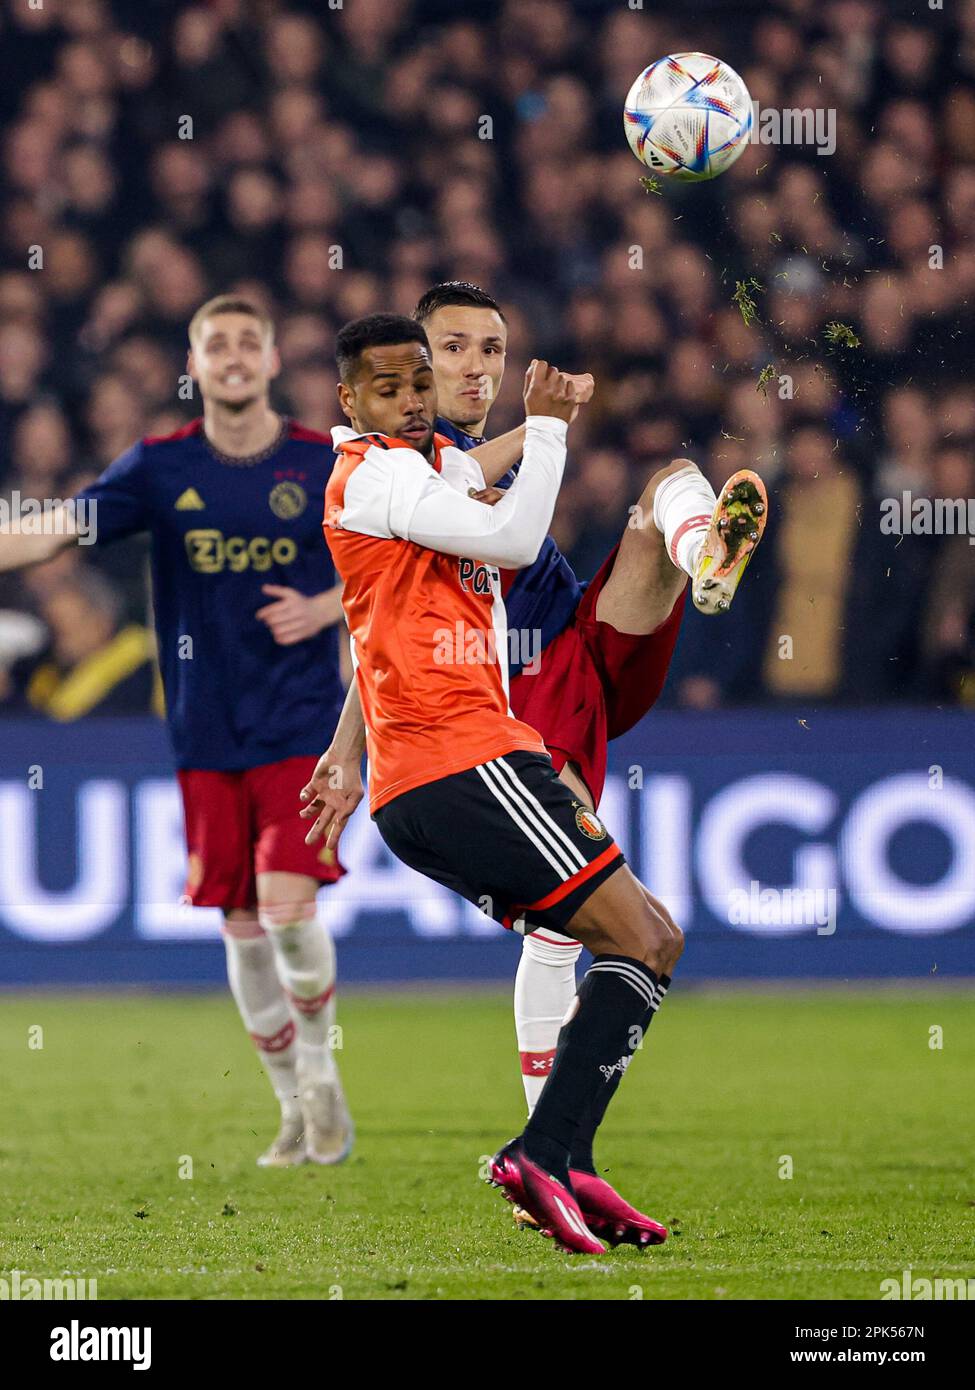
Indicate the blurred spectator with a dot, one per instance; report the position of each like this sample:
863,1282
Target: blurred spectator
94,665
814,546
948,627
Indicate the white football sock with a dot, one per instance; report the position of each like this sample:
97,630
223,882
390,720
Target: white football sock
682,507
305,959
545,987
262,1004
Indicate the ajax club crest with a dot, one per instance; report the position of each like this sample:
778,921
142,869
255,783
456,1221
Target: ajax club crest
287,500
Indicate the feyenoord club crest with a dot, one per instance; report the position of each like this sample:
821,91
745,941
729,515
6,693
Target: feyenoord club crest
287,500
590,824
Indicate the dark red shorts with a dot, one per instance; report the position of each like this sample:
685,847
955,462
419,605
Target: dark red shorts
241,824
594,683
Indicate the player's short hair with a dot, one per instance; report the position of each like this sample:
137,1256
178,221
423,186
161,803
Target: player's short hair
374,330
231,304
463,292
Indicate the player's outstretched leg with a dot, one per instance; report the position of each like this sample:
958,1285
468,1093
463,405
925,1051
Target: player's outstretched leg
737,526
260,1000
647,577
305,960
633,945
711,538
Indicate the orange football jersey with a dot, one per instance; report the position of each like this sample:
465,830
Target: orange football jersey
428,628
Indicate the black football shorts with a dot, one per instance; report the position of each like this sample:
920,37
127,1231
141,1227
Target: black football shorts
508,836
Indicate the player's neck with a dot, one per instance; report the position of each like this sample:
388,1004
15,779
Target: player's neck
242,433
473,431
478,431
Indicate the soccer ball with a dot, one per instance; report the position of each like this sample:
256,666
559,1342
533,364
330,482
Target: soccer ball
688,116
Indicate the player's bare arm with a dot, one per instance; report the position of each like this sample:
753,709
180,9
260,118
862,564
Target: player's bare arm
335,787
20,549
497,457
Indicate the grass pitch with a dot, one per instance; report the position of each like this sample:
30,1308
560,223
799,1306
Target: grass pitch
97,1125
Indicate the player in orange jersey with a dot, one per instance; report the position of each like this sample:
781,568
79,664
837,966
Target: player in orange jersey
460,789
600,651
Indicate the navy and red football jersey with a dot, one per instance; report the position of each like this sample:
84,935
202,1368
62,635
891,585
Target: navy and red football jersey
221,528
544,596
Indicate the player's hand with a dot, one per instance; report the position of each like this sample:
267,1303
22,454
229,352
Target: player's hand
293,617
490,496
585,384
550,392
332,794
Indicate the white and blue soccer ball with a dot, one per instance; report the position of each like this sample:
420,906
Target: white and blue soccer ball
688,116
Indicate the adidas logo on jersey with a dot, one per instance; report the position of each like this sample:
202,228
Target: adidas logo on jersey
190,501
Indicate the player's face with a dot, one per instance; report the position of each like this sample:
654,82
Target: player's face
393,392
233,360
468,360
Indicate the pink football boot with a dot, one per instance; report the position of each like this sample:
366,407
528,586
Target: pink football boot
608,1215
545,1198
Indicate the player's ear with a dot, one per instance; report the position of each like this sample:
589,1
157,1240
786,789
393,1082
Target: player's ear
275,364
191,365
346,401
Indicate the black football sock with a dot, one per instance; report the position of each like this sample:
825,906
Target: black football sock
580,1154
595,1047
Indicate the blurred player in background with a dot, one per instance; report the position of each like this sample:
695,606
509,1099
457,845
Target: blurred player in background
246,607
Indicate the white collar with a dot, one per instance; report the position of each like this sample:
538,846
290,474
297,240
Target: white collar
341,434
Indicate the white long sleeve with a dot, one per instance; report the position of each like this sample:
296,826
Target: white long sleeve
395,492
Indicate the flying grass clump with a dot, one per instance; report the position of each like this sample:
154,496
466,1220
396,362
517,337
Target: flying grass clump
744,300
766,376
841,335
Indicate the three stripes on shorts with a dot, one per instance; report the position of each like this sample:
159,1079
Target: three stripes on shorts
531,817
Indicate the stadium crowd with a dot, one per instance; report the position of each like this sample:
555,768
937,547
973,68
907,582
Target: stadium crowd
335,160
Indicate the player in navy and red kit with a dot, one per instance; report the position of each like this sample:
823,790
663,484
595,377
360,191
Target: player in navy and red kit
589,660
246,605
